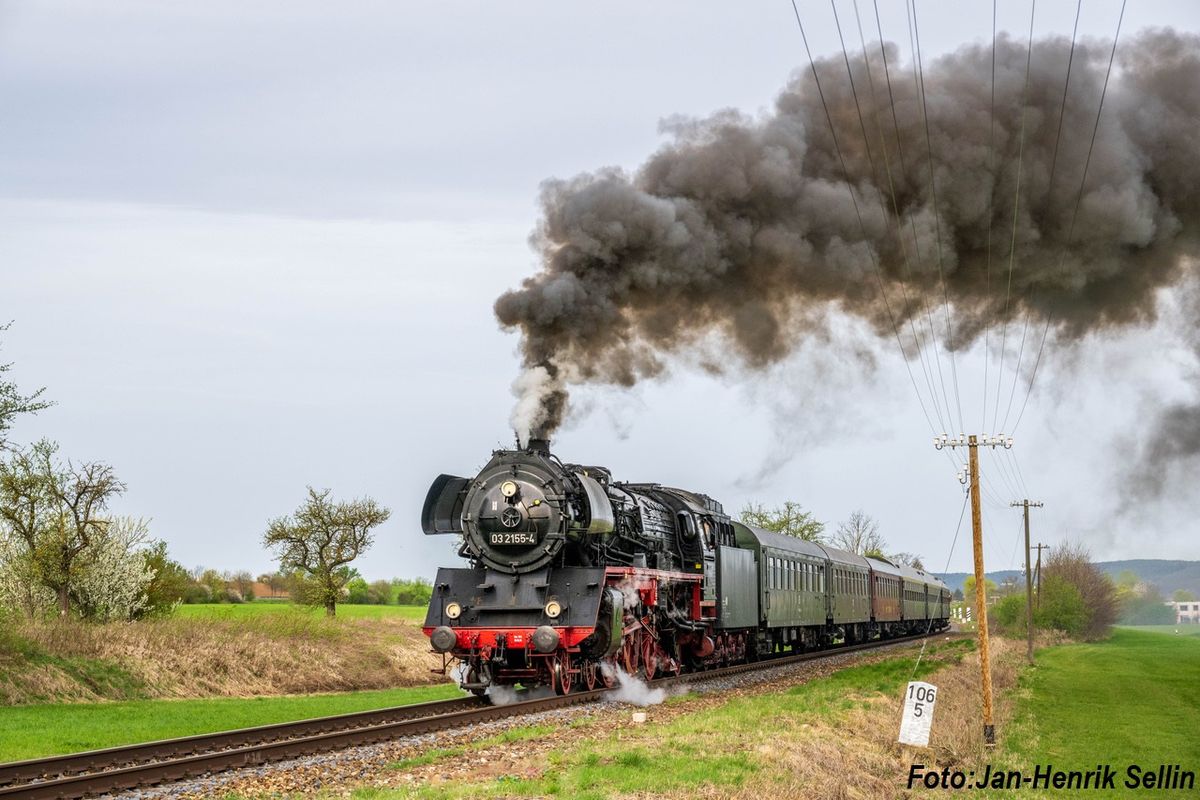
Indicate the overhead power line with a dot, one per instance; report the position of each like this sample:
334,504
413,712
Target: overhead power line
1075,213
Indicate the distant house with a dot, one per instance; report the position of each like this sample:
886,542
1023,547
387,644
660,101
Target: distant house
1186,612
262,590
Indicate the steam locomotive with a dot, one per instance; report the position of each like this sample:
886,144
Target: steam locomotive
573,576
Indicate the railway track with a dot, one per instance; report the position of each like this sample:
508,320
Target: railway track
116,769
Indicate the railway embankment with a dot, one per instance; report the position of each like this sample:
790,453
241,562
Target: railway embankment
188,655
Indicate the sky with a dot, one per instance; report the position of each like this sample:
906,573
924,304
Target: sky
249,248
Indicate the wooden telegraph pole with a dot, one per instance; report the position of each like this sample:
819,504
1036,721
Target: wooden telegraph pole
1028,582
1040,548
981,621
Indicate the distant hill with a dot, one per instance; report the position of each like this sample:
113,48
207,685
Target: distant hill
1167,575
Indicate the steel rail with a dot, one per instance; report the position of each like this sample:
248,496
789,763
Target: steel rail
123,768
107,758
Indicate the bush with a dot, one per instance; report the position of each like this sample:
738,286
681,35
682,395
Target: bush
416,592
1062,607
356,591
380,593
1088,612
1009,613
197,593
171,583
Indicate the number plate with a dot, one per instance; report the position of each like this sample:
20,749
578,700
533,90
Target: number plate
518,538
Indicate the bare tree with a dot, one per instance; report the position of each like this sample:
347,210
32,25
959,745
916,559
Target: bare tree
321,539
57,510
859,534
790,519
907,559
243,581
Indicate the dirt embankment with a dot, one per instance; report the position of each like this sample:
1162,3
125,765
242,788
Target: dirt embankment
285,653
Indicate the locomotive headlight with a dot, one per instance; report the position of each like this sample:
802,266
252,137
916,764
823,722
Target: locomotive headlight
453,610
508,489
553,609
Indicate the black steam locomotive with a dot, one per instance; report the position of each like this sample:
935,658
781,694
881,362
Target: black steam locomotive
573,576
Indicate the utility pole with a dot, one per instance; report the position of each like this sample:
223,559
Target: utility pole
1040,548
972,444
1028,583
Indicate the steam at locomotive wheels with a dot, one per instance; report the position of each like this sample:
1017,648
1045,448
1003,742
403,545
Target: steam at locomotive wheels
574,576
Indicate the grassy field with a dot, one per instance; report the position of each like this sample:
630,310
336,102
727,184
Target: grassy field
35,731
1174,630
1132,699
237,611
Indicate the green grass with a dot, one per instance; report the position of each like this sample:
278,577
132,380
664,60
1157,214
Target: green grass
251,610
1180,630
1132,699
43,730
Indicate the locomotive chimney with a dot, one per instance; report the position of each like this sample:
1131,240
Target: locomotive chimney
538,443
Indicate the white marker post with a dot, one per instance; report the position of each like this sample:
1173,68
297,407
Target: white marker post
918,713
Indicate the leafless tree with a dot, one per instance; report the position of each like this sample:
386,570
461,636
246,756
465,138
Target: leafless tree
321,539
859,534
243,581
907,559
57,510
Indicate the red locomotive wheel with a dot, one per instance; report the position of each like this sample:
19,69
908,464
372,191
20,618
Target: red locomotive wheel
591,674
649,655
562,670
630,655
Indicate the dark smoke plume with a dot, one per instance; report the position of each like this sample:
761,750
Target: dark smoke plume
1173,442
744,230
